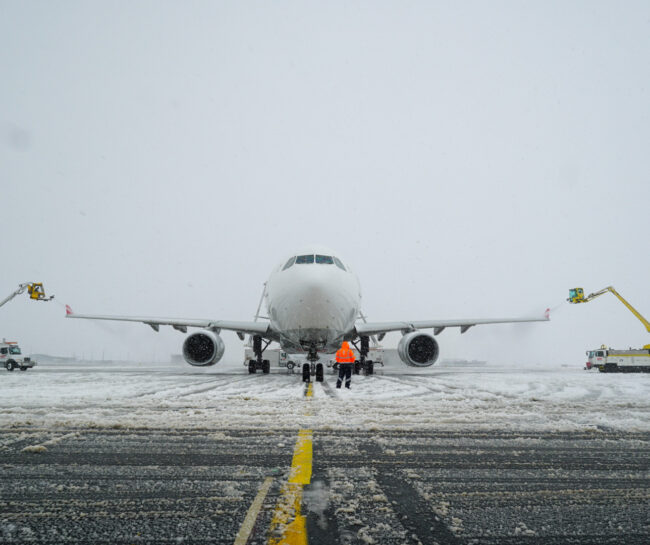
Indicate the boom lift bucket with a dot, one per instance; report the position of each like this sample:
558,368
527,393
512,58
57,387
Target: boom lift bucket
576,295
37,292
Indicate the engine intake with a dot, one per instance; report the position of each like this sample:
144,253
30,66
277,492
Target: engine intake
203,348
418,349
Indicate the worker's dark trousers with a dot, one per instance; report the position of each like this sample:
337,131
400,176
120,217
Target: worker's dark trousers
345,370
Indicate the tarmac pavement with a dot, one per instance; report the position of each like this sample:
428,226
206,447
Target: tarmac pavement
194,486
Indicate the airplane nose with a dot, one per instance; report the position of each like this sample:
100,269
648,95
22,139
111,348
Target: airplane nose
312,289
318,301
313,300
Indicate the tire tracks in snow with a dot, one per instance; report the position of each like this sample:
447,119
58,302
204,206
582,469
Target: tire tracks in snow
221,381
328,390
445,389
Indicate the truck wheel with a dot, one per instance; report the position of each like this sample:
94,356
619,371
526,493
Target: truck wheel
9,365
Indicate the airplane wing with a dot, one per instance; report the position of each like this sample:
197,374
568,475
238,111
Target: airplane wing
378,328
181,324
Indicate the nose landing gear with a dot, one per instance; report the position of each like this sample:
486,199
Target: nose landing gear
312,368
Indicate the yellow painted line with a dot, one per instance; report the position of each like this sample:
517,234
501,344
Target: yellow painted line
253,511
302,458
288,525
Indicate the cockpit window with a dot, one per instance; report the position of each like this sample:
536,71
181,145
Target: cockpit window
304,259
338,263
289,263
324,259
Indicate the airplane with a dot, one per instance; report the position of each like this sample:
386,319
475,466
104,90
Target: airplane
313,300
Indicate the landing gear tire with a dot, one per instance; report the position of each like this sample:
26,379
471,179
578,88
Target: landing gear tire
9,365
251,367
319,372
305,372
370,368
357,367
266,367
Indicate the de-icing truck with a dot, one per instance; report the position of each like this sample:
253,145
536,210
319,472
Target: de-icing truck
609,360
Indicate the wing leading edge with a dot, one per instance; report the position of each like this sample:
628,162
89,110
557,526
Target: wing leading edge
181,324
378,328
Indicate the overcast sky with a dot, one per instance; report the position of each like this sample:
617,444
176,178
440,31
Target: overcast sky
467,159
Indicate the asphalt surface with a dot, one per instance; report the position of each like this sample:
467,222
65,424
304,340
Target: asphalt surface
124,486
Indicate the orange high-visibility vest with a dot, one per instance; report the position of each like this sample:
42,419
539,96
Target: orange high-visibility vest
344,354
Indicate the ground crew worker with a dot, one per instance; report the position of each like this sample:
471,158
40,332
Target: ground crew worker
345,359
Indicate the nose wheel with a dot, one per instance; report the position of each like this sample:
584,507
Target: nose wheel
313,368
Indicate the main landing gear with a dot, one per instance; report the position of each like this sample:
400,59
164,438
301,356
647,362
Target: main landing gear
312,368
367,366
258,362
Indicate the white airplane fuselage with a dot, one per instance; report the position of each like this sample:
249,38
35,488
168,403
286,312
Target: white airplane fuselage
313,304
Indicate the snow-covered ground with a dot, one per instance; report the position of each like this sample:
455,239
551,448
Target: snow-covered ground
543,398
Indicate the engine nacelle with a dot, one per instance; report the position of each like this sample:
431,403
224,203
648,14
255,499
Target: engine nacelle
203,348
418,349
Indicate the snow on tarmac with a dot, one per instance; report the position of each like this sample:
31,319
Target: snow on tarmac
225,396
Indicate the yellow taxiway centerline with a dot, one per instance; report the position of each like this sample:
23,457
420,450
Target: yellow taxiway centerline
288,525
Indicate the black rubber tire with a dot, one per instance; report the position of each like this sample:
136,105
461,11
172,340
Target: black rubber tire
370,368
319,372
266,367
357,367
305,372
10,365
23,368
251,367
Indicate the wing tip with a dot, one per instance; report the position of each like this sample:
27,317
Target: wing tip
547,314
68,311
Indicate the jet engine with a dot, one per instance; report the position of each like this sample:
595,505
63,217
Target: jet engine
203,348
418,349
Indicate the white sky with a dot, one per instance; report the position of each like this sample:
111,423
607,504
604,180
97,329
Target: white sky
468,159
